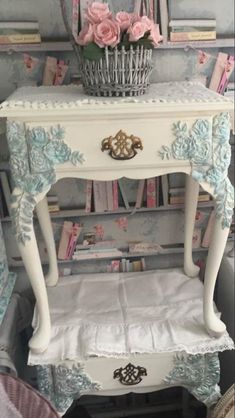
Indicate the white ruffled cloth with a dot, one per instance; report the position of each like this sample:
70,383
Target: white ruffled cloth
119,314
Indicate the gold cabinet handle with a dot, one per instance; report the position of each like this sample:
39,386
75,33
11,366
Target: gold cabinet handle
122,146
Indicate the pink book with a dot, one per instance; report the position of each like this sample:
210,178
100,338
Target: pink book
151,9
100,196
76,230
151,192
88,195
209,229
115,195
109,191
115,266
64,239
218,71
226,75
140,194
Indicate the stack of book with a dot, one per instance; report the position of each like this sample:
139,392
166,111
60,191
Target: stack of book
53,204
124,265
183,30
102,249
19,32
105,196
68,240
177,196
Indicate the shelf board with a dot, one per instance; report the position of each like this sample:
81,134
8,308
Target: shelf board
166,251
223,42
73,213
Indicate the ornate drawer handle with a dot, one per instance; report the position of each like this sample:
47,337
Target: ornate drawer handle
130,375
122,146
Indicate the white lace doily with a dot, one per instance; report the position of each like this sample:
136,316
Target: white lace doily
71,97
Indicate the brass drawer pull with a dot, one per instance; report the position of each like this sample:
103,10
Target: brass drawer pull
122,146
130,375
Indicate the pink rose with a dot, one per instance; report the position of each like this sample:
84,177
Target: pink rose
107,33
86,35
97,12
155,35
124,20
136,31
148,22
135,17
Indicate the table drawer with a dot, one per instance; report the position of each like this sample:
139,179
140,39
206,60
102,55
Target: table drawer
136,371
118,145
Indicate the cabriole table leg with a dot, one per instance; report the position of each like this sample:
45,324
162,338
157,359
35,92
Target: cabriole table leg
191,200
45,223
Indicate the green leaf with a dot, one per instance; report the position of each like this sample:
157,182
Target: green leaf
147,43
93,52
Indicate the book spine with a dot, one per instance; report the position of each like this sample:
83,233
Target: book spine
115,195
151,9
143,264
137,7
192,36
19,25
155,10
10,32
64,240
53,208
208,232
100,196
124,197
140,194
211,23
49,71
115,266
109,192
123,265
218,71
226,75
164,19
151,192
176,29
91,256
20,39
165,189
175,200
88,195
76,230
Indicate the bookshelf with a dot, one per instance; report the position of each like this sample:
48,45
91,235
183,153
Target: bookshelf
165,252
73,213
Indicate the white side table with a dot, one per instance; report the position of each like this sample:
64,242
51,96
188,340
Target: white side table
58,132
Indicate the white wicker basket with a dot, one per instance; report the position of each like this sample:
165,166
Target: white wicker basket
119,73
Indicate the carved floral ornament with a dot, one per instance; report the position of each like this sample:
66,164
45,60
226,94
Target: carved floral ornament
207,148
199,373
61,384
33,156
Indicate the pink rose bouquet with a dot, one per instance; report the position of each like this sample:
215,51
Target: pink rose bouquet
103,29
